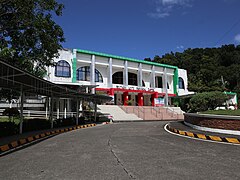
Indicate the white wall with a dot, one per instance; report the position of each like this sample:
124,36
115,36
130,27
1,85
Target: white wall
183,74
118,65
65,55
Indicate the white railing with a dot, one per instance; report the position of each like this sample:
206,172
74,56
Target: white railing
44,114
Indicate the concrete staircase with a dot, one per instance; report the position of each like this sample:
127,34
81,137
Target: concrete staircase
155,113
117,113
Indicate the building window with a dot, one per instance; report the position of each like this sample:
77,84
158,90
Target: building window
132,79
181,83
158,82
98,76
83,74
62,69
117,78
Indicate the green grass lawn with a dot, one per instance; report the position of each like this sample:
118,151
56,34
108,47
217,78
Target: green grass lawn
6,119
223,112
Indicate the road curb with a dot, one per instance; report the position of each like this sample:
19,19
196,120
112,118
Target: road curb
203,136
24,141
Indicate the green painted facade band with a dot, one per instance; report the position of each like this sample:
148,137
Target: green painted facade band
175,81
125,58
74,66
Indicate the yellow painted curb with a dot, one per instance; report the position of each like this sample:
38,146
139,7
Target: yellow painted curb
215,138
190,134
14,144
29,139
233,140
4,148
203,136
22,141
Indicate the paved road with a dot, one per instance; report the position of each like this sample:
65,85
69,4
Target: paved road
122,151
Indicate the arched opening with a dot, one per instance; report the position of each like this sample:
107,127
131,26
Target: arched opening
83,74
181,83
62,69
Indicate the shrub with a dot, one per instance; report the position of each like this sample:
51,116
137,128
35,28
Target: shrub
11,112
36,124
65,122
207,101
81,120
8,128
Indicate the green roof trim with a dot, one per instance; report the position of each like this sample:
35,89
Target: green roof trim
125,58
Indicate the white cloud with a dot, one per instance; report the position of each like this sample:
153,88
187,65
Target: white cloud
180,47
164,8
237,38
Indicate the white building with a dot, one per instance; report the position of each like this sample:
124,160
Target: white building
129,81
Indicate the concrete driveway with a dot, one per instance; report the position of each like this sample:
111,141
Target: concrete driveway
142,150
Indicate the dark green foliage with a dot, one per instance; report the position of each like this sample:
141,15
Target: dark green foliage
11,112
8,94
65,122
209,69
207,101
35,124
8,128
30,39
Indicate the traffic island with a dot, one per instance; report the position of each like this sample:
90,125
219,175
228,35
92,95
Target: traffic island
184,130
213,121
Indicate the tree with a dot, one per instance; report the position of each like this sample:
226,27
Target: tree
29,38
207,101
208,67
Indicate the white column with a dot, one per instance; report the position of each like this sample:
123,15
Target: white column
165,86
153,83
95,111
77,115
125,74
47,103
68,105
51,111
82,107
65,109
110,72
92,73
21,111
140,75
57,108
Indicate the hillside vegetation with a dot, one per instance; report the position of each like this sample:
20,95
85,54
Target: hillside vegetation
209,69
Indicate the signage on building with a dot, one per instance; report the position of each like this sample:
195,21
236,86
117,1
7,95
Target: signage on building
135,88
159,101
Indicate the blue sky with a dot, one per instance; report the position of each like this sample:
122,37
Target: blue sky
145,28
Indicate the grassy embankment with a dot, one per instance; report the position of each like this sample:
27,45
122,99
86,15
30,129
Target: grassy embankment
223,112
